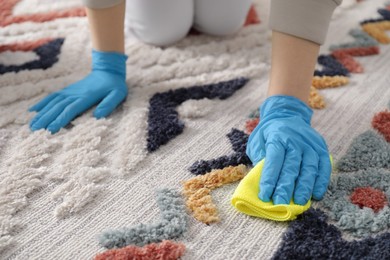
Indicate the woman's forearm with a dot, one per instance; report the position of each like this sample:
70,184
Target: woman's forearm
299,28
107,27
293,63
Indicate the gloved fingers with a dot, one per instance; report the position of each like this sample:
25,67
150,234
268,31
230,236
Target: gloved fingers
255,148
41,104
289,174
109,103
44,110
67,115
323,177
272,166
306,179
51,115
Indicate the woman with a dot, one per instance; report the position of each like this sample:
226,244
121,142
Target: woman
297,164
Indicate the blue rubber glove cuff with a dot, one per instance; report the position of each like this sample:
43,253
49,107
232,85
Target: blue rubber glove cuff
285,106
113,62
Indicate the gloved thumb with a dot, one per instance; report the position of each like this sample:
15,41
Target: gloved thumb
109,103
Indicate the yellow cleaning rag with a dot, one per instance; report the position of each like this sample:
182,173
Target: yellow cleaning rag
245,199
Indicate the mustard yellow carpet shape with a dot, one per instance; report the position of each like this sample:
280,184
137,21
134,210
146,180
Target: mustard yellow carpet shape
245,199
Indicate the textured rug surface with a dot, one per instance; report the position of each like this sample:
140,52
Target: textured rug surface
129,181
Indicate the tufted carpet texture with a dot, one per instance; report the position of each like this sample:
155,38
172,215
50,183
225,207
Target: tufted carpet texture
155,179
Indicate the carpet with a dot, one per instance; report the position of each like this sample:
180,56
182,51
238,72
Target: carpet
156,177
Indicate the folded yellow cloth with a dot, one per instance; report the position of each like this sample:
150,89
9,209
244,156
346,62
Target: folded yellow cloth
245,199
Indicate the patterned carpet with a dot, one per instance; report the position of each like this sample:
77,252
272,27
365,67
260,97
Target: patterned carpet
156,177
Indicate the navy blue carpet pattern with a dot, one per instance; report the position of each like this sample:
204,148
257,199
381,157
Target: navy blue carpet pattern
164,123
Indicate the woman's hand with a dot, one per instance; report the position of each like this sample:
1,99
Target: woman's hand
297,163
105,86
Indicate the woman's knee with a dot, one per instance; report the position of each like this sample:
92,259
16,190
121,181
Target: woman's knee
160,22
220,17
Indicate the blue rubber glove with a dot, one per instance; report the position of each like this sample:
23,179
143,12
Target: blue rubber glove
297,163
105,84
